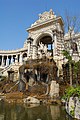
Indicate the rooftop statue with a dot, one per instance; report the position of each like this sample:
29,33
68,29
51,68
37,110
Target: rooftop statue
45,16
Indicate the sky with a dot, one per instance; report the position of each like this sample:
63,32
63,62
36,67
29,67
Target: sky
18,15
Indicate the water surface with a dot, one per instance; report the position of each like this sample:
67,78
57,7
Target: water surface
24,112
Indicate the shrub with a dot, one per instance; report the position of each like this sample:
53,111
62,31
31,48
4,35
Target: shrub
71,91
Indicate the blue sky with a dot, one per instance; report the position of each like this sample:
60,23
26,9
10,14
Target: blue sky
17,15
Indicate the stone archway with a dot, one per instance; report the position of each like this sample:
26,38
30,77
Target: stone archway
43,44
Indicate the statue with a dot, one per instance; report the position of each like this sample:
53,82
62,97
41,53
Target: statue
42,50
51,13
45,49
44,16
48,54
41,46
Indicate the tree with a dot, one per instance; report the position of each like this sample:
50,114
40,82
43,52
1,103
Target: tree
69,58
76,66
72,25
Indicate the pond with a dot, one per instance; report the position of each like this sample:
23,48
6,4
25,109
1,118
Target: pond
24,112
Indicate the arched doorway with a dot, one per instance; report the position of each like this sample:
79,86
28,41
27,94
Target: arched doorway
74,47
44,45
48,41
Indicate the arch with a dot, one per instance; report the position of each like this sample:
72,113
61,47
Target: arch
42,43
24,55
41,35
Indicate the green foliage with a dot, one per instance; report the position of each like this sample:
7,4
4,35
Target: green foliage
72,112
67,55
76,67
71,91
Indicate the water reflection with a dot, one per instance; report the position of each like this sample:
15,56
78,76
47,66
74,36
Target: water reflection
23,112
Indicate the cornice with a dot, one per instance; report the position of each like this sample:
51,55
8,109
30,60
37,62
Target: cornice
12,51
45,23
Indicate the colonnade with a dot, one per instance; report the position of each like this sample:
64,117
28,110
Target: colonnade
7,59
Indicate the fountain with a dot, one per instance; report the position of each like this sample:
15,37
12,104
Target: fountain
39,72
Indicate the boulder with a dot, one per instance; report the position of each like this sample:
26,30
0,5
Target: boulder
31,81
71,105
54,89
31,100
77,108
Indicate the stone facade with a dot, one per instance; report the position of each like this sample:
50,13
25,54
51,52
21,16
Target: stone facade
46,38
12,60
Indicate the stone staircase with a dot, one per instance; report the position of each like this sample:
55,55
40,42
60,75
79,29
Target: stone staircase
14,67
5,69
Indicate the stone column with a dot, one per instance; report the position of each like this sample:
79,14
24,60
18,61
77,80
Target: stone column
55,46
16,59
34,52
2,64
28,48
79,49
11,59
51,47
20,59
7,61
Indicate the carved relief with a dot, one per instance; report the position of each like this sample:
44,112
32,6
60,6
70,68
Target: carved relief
45,16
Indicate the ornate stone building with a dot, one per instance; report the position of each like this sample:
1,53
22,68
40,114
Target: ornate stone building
46,38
